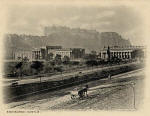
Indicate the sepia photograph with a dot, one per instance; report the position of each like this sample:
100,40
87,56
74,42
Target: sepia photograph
74,57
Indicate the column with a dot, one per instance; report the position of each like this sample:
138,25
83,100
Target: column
122,55
129,55
39,55
118,55
100,54
35,55
104,55
114,54
125,55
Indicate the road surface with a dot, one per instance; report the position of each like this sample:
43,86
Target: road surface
118,93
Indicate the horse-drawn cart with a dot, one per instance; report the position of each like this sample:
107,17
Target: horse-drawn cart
79,93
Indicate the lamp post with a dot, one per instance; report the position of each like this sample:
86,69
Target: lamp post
61,71
40,79
62,75
132,85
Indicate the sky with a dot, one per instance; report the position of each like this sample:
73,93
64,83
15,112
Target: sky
31,19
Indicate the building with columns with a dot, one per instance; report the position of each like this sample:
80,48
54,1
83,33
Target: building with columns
63,52
78,53
21,54
72,53
119,52
36,54
39,54
50,52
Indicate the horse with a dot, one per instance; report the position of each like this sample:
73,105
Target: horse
83,92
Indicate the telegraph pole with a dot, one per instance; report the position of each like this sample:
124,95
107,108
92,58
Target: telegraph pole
132,85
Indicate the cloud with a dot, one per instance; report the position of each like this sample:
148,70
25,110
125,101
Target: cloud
107,13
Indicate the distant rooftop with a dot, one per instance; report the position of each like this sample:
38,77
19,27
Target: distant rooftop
54,47
124,47
76,48
64,49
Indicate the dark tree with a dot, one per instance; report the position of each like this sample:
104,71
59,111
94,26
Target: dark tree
59,69
19,58
92,63
18,67
91,57
52,64
108,53
25,59
58,59
66,60
47,68
115,60
38,66
50,56
75,63
137,54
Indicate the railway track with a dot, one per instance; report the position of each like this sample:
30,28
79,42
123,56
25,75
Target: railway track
52,100
48,89
95,94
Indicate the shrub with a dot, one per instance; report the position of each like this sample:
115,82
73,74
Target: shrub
58,69
37,65
92,63
75,63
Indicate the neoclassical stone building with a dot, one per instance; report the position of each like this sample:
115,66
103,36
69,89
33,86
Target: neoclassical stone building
119,52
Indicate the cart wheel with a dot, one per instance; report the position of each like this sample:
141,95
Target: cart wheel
72,97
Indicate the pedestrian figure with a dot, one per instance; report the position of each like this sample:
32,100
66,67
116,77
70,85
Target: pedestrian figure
109,77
